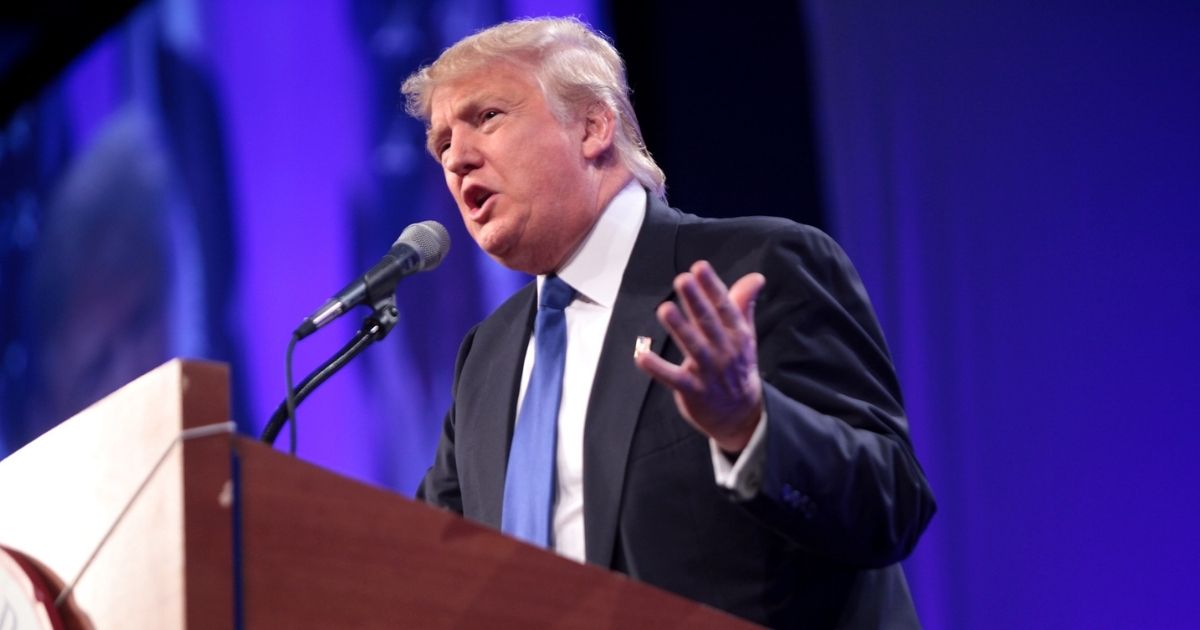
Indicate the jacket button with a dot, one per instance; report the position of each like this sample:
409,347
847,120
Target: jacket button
791,496
807,506
797,500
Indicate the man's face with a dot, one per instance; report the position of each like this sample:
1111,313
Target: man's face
525,189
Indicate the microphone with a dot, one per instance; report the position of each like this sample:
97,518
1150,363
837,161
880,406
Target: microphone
421,247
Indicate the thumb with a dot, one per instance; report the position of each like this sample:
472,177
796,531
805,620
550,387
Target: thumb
745,291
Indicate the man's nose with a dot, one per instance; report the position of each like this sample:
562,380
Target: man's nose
462,157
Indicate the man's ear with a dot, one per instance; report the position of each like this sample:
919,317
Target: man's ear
599,127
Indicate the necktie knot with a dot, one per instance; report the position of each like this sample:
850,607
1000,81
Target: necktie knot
556,294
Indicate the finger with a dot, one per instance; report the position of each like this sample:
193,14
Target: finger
700,309
672,376
718,294
689,339
745,291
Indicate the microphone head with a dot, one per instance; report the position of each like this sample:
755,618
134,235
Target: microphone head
429,239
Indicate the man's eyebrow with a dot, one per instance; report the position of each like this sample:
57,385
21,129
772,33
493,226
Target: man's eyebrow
434,133
465,109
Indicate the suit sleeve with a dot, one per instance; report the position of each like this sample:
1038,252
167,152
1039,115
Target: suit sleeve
839,477
440,486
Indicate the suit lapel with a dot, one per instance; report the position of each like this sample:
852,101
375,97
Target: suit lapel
620,388
494,407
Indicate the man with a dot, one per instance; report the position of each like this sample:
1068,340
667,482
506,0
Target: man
753,453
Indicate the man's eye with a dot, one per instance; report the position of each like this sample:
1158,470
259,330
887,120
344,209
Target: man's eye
443,147
489,114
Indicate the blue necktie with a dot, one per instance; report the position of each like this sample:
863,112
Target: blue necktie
529,480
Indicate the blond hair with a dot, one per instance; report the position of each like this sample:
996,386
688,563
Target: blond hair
575,66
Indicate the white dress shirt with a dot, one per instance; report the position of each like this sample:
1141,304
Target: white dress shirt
595,271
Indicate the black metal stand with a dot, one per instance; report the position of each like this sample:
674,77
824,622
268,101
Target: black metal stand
374,328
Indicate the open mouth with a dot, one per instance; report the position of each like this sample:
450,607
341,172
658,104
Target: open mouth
476,196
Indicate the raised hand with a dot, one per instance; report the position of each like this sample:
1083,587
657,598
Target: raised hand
717,387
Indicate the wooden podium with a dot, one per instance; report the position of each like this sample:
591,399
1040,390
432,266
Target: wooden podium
180,523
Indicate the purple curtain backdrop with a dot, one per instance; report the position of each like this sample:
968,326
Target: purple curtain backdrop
330,171
1019,184
262,145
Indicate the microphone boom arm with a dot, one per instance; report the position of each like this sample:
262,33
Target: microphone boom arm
374,328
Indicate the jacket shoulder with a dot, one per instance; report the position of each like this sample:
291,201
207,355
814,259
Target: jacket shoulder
757,238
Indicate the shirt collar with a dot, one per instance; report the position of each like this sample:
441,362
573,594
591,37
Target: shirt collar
596,268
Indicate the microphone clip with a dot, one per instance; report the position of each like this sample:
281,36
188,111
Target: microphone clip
383,318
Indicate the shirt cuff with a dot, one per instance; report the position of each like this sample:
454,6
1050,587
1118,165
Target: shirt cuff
742,477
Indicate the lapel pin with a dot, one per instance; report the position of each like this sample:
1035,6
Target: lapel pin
641,345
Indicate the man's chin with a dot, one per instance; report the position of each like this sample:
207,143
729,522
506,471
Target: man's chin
494,245
506,249
498,249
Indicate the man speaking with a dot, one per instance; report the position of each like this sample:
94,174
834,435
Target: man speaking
705,405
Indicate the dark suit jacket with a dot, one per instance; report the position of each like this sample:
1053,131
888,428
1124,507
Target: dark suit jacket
843,498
